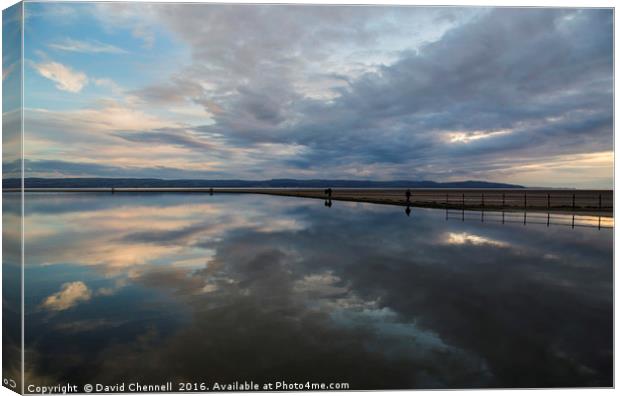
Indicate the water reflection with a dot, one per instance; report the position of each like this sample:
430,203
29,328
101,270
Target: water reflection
537,218
143,287
328,198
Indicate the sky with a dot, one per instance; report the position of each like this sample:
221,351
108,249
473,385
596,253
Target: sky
319,92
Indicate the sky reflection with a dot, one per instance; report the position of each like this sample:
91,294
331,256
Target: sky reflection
233,287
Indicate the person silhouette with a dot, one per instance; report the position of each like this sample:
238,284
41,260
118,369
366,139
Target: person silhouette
328,203
211,191
408,210
408,195
328,192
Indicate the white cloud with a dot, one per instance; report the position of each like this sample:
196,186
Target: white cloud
112,116
322,284
464,238
66,79
467,137
70,295
91,47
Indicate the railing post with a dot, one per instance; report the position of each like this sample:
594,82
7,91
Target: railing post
573,201
463,201
600,201
503,200
548,201
482,200
525,200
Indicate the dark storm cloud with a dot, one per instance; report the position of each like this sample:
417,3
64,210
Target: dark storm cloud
510,70
543,75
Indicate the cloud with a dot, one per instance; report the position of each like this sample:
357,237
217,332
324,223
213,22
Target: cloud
137,19
147,36
238,58
372,92
8,70
57,168
463,238
311,290
171,137
110,115
88,47
66,79
459,84
70,295
484,91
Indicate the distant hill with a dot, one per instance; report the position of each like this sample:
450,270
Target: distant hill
277,183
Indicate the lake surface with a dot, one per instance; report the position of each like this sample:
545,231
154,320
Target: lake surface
191,287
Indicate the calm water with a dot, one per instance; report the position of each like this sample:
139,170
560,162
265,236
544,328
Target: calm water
233,287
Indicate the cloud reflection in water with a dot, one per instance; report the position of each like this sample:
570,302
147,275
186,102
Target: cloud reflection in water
198,288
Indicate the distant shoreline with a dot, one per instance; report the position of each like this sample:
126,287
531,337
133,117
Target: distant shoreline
593,202
239,183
